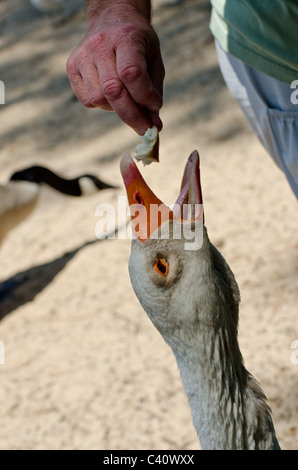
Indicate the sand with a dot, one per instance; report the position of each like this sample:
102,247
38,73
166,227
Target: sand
84,367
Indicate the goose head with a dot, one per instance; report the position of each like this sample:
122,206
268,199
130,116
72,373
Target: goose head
189,292
180,279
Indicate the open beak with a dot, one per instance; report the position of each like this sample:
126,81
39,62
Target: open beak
153,211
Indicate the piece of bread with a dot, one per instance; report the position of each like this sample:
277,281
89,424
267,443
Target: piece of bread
148,151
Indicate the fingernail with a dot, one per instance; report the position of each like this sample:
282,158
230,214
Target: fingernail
154,108
157,121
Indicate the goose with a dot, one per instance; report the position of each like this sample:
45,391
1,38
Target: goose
192,298
19,196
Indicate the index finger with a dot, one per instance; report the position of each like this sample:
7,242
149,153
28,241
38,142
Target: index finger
120,99
132,69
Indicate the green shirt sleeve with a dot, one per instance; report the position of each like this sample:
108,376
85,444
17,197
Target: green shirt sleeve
261,33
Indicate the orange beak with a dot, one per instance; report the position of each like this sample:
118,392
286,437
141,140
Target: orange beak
148,212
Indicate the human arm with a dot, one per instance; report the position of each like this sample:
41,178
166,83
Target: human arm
118,65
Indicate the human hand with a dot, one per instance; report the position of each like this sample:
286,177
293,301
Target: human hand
118,67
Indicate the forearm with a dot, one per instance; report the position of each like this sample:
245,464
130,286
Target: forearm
95,8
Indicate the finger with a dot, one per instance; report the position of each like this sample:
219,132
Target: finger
92,87
156,72
132,71
156,121
120,100
77,82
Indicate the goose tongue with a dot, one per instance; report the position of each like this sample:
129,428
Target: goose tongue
151,211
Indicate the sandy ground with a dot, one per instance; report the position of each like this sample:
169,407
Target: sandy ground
84,367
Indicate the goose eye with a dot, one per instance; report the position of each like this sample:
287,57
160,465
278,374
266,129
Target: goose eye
161,267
